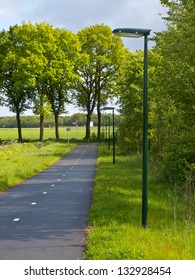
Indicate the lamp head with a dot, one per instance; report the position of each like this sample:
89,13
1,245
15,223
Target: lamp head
131,32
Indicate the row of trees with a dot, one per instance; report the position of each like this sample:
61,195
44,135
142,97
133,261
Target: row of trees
171,96
45,68
34,122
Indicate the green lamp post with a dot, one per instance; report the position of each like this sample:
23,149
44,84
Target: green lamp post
113,133
137,33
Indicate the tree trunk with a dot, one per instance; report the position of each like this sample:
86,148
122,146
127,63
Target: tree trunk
41,127
57,128
98,90
87,136
19,127
99,123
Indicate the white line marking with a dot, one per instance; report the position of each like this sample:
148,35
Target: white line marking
52,185
59,179
33,203
16,220
44,192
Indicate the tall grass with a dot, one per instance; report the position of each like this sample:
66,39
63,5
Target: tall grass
115,230
21,161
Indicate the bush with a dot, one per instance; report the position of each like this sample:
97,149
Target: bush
179,161
93,136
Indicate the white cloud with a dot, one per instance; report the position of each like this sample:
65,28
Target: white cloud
5,10
9,6
76,14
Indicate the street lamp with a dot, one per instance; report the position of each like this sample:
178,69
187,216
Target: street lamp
107,119
113,143
105,125
137,33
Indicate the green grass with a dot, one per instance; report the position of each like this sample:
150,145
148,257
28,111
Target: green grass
21,161
49,133
115,230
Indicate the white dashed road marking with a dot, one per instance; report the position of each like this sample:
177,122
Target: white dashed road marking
33,203
16,220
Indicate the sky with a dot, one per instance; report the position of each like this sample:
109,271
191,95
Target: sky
78,14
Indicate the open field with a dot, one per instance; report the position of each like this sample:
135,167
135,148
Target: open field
115,230
49,133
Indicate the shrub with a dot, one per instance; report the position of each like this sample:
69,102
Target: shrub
179,161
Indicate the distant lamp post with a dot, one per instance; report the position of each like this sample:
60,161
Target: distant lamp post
105,128
108,118
113,133
137,33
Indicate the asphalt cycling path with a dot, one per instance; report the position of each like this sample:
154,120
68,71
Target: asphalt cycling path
45,217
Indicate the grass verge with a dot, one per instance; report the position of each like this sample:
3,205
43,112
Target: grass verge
21,161
115,230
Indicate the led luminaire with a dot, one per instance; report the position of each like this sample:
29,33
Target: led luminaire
131,32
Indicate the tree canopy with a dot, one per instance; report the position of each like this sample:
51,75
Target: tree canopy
101,70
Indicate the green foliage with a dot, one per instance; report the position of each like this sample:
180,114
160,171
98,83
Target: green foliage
99,71
16,80
38,66
179,161
131,96
177,81
176,47
33,121
41,65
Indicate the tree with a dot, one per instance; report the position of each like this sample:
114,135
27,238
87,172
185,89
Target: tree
16,79
78,119
29,49
131,102
162,110
44,37
54,52
177,79
100,71
60,72
177,48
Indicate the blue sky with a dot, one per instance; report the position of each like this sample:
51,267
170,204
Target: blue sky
77,14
